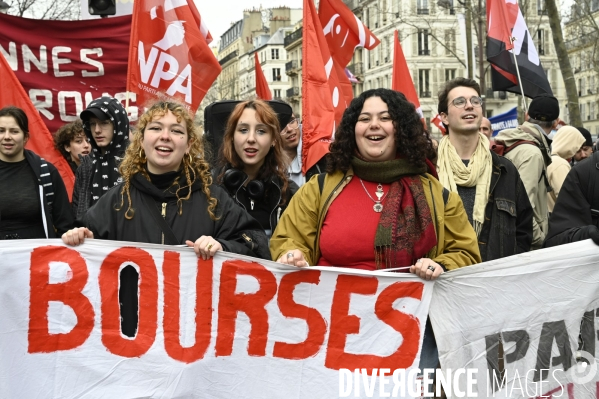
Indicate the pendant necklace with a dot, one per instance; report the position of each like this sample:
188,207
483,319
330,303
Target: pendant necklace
380,195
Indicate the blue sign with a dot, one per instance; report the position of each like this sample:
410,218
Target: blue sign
507,120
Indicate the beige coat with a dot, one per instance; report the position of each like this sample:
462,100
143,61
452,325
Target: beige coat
567,142
532,162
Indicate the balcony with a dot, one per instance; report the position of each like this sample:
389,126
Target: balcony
357,69
291,68
425,94
292,37
490,93
541,51
292,93
228,57
422,11
502,95
541,11
424,52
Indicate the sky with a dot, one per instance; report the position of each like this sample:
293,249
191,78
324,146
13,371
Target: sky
220,13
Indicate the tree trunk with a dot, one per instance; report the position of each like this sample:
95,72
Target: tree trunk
564,63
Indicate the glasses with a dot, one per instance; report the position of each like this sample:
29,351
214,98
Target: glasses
460,102
293,124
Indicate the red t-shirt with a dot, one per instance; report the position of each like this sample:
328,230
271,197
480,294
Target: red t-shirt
349,228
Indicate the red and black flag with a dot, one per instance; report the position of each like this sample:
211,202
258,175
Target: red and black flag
505,21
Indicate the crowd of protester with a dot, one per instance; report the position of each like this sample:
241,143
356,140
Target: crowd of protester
424,207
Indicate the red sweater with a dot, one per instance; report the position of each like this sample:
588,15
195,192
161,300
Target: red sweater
349,228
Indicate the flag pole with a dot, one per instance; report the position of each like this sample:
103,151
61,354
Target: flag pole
512,40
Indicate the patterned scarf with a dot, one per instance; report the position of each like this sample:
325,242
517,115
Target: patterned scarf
406,231
453,173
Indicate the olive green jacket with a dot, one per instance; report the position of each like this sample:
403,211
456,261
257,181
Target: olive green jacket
299,227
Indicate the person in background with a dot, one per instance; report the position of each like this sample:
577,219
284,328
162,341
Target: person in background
528,146
486,128
291,139
253,165
72,143
489,185
106,125
567,142
586,150
33,199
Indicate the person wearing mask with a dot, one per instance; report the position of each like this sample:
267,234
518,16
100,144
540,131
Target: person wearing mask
106,125
33,199
566,144
489,185
527,147
72,143
253,165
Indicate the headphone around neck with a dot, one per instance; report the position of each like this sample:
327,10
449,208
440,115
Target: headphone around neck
234,178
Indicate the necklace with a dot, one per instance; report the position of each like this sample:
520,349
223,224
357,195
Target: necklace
380,195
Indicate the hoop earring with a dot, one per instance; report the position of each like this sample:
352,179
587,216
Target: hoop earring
142,157
190,158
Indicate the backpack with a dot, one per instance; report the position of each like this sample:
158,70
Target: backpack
501,149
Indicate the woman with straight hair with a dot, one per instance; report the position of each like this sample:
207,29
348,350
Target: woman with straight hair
33,199
253,165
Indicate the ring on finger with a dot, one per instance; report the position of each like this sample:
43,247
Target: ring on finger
419,260
431,268
208,247
289,255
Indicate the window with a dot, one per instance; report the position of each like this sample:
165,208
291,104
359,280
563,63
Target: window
579,87
423,42
582,113
423,82
422,7
582,87
277,93
541,9
274,53
541,41
276,74
594,5
590,111
449,74
449,42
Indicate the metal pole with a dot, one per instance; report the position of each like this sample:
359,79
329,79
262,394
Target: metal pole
513,39
481,62
469,39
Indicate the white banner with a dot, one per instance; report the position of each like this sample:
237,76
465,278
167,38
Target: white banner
519,324
231,327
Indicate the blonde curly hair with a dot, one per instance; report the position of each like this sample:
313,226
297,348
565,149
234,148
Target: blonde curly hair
194,164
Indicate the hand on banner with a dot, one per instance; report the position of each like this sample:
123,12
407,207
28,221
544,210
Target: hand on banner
427,269
205,247
294,257
77,236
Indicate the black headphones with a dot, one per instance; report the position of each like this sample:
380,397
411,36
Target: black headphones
234,178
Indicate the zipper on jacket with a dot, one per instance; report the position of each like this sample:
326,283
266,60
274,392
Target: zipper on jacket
164,217
249,240
251,204
278,214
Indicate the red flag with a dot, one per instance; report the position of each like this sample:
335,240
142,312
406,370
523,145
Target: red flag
40,140
402,81
169,56
344,32
437,122
504,21
262,89
320,92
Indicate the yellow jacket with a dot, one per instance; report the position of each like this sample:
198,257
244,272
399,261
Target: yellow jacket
299,227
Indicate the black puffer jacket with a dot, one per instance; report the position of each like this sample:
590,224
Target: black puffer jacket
235,230
575,216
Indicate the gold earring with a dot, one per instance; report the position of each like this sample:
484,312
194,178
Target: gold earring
190,158
141,155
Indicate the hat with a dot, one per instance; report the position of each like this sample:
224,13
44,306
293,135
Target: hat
588,139
91,113
544,108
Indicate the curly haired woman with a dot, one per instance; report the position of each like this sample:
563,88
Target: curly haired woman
167,195
72,143
377,169
253,164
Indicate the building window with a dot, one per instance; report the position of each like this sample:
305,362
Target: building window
276,74
582,112
277,93
449,42
541,41
423,42
422,7
449,74
541,9
274,53
423,82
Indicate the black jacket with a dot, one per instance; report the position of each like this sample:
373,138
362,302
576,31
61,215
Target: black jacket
56,208
273,198
235,230
508,216
572,219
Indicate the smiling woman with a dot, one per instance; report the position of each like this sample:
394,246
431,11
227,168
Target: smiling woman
253,165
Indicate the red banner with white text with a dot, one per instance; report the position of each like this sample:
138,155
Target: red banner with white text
231,326
64,65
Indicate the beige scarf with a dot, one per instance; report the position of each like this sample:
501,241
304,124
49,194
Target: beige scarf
453,173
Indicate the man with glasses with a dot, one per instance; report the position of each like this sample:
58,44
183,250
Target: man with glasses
493,194
527,146
291,139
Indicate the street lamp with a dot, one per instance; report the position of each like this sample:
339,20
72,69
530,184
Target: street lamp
4,7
